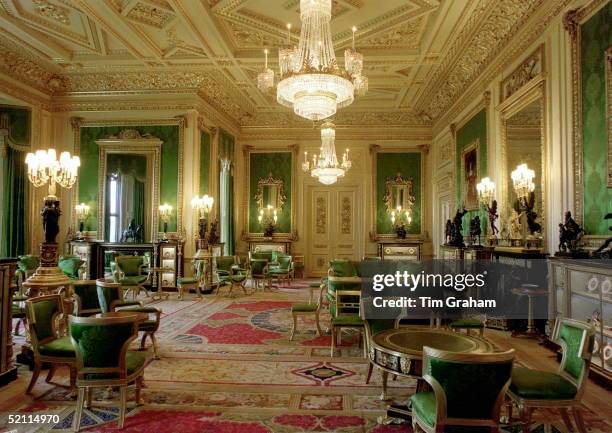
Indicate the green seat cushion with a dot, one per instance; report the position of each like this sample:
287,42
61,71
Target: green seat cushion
467,323
424,406
343,268
141,309
279,271
130,265
303,307
237,278
17,312
134,361
133,281
70,266
540,385
60,347
187,280
347,321
315,285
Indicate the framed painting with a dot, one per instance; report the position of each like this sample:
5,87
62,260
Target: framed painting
470,173
609,111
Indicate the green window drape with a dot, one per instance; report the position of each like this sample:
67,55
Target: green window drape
14,186
139,202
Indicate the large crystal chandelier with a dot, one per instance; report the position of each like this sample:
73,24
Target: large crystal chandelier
311,82
325,165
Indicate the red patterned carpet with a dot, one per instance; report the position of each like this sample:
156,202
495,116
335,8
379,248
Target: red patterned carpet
227,366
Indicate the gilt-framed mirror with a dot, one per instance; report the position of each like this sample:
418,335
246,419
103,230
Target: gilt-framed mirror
399,193
270,193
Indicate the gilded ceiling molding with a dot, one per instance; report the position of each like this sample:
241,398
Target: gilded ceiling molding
354,133
529,69
209,129
22,94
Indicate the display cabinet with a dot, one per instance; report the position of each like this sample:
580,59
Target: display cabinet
8,372
170,260
582,290
399,250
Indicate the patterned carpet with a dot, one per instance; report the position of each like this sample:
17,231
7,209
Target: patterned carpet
227,366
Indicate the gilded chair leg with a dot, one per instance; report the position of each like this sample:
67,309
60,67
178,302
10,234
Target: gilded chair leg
481,332
35,374
73,375
180,293
385,377
293,328
76,424
318,324
143,340
88,397
566,419
155,350
138,388
580,425
370,369
526,418
122,405
333,341
51,373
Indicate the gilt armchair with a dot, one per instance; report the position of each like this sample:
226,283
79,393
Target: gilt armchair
132,272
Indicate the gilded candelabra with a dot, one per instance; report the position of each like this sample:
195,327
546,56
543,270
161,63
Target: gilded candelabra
81,213
268,218
165,212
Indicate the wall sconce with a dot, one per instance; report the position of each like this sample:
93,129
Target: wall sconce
268,218
203,205
486,194
44,168
81,213
401,219
165,211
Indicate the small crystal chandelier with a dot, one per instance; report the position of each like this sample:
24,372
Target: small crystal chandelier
43,167
311,82
522,181
325,165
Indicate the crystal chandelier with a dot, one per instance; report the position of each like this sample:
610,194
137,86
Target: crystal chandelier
522,181
43,167
311,82
325,165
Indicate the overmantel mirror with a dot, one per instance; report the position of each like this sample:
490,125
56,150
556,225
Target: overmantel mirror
523,174
128,180
270,193
399,193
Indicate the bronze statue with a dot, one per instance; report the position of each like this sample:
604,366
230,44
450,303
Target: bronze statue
526,206
213,232
475,230
448,231
133,232
457,228
570,233
51,213
493,216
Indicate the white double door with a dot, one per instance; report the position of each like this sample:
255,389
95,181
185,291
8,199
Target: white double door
335,224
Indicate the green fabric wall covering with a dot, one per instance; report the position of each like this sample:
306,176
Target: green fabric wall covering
475,128
88,184
14,184
596,37
205,157
408,164
280,165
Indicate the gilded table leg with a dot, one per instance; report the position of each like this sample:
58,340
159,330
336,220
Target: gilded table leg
385,377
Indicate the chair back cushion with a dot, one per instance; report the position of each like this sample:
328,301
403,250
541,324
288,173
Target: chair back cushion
342,268
284,262
262,255
347,303
130,265
27,263
576,338
225,263
472,386
257,266
41,312
70,266
99,343
88,295
107,294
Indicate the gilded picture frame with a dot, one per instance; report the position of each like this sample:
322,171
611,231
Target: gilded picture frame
470,174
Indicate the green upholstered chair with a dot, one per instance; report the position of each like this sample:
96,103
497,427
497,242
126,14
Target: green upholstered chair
262,255
468,391
342,275
346,314
371,328
43,314
531,389
71,266
131,273
26,266
18,312
307,309
229,273
194,282
258,273
282,269
103,359
110,297
85,295
469,324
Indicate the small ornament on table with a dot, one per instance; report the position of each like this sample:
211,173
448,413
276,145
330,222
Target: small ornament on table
475,231
570,234
268,218
457,229
401,220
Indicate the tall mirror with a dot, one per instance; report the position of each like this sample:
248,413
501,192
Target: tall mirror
129,185
270,193
524,144
399,193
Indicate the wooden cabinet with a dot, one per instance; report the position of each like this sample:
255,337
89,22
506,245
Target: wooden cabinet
582,290
8,372
399,250
170,259
474,253
448,252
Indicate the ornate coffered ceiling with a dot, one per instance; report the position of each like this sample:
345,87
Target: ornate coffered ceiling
419,54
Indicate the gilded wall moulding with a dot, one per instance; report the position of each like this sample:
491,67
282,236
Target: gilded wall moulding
154,16
529,69
404,35
55,12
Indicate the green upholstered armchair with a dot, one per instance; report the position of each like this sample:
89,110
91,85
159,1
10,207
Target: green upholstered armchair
132,273
258,273
229,272
305,309
26,266
262,255
43,314
71,266
103,359
342,275
110,297
85,295
563,389
468,390
193,282
345,315
282,268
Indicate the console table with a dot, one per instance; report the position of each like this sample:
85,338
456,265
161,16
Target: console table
399,249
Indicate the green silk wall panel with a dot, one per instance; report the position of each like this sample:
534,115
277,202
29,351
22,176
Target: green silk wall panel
261,165
205,157
88,173
473,129
595,37
19,124
388,165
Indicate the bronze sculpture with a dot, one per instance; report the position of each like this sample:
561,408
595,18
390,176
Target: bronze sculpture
570,234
